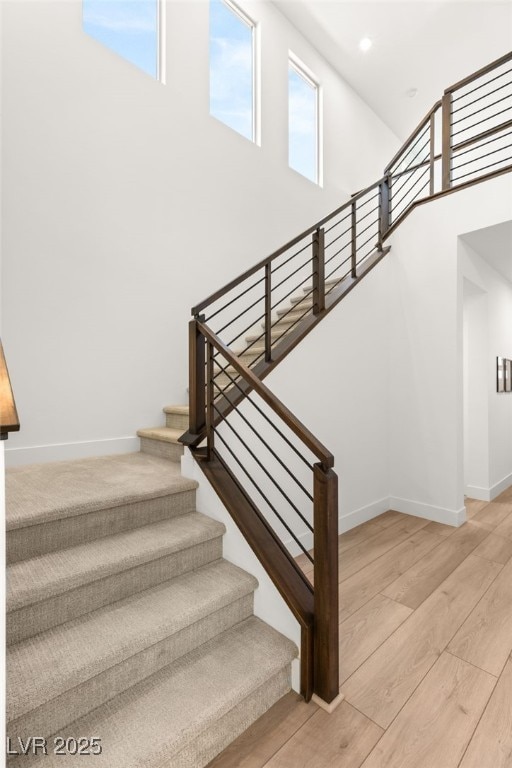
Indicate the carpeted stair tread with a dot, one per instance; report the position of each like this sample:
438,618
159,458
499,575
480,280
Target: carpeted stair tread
328,284
181,410
277,331
43,577
51,663
42,492
165,434
159,721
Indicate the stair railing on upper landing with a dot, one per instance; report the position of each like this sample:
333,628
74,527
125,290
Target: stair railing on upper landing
274,476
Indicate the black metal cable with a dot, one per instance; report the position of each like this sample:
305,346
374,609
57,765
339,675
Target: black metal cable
397,216
475,159
265,470
249,398
210,317
482,109
394,204
285,525
485,120
476,146
349,214
271,450
485,96
483,168
482,85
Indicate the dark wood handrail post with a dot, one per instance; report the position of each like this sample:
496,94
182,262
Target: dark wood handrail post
384,209
196,387
432,158
318,270
209,401
446,160
354,240
268,312
326,650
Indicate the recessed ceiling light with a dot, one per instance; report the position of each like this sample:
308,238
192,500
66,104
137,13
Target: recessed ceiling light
411,93
365,44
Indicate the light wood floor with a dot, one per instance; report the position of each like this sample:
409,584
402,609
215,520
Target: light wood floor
425,653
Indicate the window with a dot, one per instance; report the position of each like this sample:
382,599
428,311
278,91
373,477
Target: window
232,69
303,121
131,28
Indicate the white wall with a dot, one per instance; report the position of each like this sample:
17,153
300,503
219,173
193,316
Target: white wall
426,376
340,391
380,381
125,203
488,426
476,388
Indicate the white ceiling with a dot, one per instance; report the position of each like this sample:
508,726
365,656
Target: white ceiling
494,244
416,44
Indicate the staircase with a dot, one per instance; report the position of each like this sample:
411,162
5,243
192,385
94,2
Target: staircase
124,622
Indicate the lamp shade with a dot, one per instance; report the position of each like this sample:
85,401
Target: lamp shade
9,421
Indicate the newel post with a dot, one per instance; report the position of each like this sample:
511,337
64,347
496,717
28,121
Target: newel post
326,644
353,239
318,270
446,158
196,387
384,200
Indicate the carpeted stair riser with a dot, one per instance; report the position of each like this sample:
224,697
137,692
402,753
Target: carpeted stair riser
167,620
50,717
212,741
161,449
69,601
177,421
208,695
51,536
124,622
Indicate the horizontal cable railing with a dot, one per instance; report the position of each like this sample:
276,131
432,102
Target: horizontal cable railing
261,458
256,312
478,124
285,473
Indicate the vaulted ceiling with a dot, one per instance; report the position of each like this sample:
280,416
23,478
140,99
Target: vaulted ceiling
417,46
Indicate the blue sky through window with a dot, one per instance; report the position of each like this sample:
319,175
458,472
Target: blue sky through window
302,125
231,69
128,27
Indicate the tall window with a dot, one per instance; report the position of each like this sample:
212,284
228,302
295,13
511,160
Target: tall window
303,122
232,69
131,28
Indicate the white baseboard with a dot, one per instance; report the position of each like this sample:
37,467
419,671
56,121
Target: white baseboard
475,492
453,517
488,494
345,523
501,486
362,515
39,454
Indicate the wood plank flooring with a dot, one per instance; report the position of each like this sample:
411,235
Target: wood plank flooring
425,653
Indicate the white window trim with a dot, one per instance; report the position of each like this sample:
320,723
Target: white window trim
160,42
303,71
256,96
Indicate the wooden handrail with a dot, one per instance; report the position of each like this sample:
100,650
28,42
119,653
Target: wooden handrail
9,421
197,308
291,421
422,124
479,73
